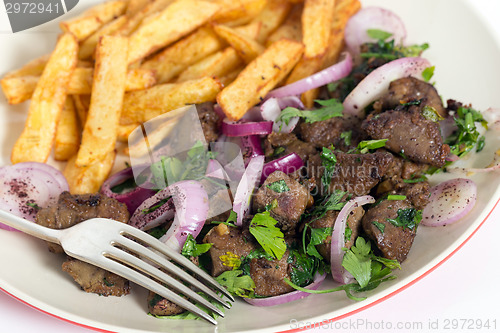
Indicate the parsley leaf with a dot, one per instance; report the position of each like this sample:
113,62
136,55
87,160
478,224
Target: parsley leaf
263,228
467,136
407,218
318,236
347,136
303,267
378,34
365,146
380,226
192,249
328,160
236,283
331,108
279,186
357,261
230,220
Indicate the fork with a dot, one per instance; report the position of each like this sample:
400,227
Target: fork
136,256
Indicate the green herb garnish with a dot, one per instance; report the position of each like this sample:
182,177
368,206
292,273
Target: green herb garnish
407,218
328,160
429,113
279,186
193,249
365,146
467,136
380,226
428,73
330,108
263,228
237,284
396,197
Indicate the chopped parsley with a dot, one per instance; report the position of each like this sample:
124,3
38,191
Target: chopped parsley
380,226
192,249
279,186
230,220
330,108
388,49
155,206
396,197
467,136
237,283
318,236
415,180
33,205
347,136
407,218
378,34
428,73
328,160
365,146
263,228
304,267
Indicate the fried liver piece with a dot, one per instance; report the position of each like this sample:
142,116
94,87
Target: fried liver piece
408,132
393,242
328,221
226,240
71,210
359,173
409,89
290,204
93,279
268,275
210,121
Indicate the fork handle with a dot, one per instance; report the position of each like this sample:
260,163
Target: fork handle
31,228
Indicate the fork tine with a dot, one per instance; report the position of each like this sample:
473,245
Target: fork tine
174,256
150,284
149,254
131,260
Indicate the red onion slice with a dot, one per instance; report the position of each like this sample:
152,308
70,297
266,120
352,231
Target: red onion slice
289,297
331,74
133,198
271,110
215,170
248,183
492,116
494,166
145,220
26,184
251,146
372,18
339,273
377,82
449,202
56,174
288,164
191,211
232,129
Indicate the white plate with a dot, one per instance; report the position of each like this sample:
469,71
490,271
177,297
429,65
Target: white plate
458,39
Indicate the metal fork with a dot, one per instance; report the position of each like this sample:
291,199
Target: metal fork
136,256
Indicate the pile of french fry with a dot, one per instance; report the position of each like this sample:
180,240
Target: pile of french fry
124,62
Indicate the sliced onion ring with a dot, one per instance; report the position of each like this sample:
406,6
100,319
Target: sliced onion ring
191,211
288,164
289,297
449,202
372,18
339,274
494,166
271,110
331,74
377,82
133,198
249,181
232,129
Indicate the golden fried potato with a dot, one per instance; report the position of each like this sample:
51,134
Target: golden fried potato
317,18
68,132
247,48
19,89
184,53
174,22
135,19
291,28
124,132
87,47
238,12
141,106
33,68
259,77
90,21
108,88
268,20
35,142
135,6
216,65
88,179
82,105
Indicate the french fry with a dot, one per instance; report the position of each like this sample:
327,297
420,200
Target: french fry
247,48
124,132
90,21
251,29
87,47
290,29
35,142
32,68
20,89
184,53
268,20
134,20
68,132
141,106
218,64
135,6
88,179
259,77
108,89
238,12
231,76
174,22
82,104
317,18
